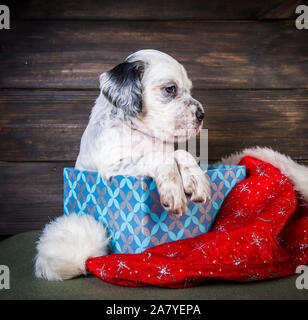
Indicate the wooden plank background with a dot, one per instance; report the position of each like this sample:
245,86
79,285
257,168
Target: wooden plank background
154,9
248,63
220,54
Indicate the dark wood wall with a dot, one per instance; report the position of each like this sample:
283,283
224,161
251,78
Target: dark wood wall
247,60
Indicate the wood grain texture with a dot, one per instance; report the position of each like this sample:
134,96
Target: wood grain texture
30,194
47,125
221,54
282,9
153,9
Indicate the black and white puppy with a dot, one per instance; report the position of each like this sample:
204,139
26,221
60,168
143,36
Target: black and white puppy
144,106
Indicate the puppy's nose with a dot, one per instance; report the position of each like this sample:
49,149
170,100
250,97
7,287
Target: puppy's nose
199,115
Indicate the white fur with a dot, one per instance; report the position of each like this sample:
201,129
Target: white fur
65,245
298,174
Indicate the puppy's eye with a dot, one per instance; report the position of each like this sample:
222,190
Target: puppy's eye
171,90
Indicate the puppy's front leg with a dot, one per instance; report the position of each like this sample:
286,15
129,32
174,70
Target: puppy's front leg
170,187
194,180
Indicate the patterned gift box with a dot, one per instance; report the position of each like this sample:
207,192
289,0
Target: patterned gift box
130,208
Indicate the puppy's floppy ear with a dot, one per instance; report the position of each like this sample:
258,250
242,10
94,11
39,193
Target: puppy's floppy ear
122,87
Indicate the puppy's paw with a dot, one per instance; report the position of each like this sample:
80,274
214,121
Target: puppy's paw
173,201
172,196
196,184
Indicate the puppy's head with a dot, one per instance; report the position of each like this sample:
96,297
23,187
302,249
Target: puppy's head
153,90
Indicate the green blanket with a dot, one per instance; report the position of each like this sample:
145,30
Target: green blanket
18,253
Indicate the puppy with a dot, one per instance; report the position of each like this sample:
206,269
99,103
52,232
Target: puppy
144,107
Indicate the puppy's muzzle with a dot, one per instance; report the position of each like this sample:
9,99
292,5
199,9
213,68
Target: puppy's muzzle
199,115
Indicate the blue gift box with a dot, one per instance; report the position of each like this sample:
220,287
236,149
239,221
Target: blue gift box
130,208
